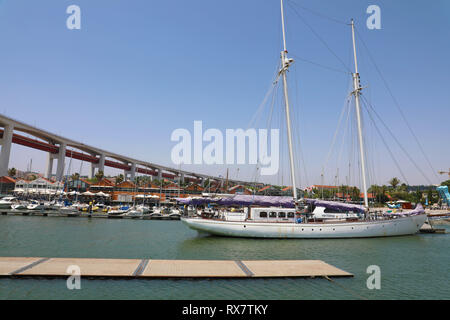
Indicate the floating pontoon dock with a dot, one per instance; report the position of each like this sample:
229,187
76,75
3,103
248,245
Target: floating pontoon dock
150,268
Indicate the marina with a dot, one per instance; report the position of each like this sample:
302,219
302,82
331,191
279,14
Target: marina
141,204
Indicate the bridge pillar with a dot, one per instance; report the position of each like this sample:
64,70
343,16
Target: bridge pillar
131,172
100,165
160,174
49,172
6,142
182,177
61,156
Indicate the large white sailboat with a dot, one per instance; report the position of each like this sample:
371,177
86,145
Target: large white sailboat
344,221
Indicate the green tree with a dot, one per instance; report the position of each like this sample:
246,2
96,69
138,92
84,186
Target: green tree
394,182
355,193
120,178
446,183
12,172
75,176
430,197
99,175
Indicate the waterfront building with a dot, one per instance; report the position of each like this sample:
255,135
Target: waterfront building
80,185
7,184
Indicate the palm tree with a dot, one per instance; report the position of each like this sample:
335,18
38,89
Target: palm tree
394,182
12,172
99,175
119,178
75,176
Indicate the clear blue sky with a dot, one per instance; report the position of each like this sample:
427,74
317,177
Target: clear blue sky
137,70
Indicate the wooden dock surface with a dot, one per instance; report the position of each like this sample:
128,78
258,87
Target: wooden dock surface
153,268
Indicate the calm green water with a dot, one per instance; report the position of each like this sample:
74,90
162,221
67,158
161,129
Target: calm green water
412,267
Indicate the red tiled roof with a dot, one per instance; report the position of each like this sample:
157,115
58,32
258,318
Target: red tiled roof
265,188
6,179
85,181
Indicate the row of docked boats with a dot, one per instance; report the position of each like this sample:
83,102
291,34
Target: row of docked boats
77,208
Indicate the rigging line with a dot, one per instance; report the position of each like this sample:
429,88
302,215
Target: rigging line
348,106
320,38
297,130
274,98
396,140
319,65
335,134
256,115
318,14
385,143
269,91
397,105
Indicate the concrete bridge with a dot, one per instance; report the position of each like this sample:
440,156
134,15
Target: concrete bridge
58,148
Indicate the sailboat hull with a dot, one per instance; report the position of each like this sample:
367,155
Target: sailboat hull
365,229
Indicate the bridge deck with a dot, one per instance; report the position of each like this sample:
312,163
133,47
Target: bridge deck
151,268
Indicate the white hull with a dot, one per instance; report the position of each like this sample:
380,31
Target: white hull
19,207
133,213
363,229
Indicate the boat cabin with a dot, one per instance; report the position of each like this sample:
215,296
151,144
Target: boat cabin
273,214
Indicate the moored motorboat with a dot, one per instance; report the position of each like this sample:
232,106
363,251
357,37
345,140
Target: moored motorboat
7,202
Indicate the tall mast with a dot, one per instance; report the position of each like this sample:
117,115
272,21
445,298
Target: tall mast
285,63
357,91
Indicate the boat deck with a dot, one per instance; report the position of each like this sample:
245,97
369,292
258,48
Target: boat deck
153,268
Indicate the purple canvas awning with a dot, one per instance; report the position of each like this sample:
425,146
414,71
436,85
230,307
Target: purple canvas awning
242,200
418,210
247,200
334,205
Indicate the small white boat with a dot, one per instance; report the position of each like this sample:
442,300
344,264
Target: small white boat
156,213
69,211
143,209
137,211
19,206
119,211
174,214
35,205
7,202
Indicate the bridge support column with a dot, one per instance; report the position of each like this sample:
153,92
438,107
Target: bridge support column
160,175
100,166
61,156
49,172
182,177
6,142
131,173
